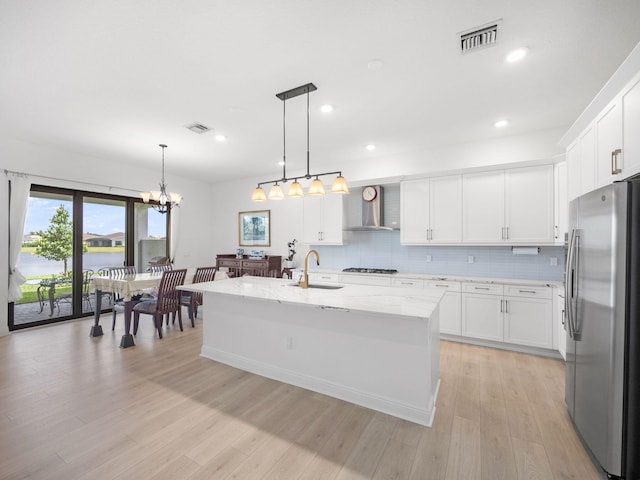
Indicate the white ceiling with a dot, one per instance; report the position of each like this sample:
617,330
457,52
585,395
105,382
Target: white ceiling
113,79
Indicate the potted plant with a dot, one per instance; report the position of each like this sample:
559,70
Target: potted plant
288,261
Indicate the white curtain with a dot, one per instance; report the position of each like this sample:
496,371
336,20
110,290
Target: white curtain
19,188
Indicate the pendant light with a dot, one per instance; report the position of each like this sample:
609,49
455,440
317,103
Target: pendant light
165,201
295,190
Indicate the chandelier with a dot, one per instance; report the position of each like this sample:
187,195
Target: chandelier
295,190
165,201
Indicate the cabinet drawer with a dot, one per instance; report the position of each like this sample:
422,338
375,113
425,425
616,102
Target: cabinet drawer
229,263
448,286
483,288
407,282
323,277
527,291
365,280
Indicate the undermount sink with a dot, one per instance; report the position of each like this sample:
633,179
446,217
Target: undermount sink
325,287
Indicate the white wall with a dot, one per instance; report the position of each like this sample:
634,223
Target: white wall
192,222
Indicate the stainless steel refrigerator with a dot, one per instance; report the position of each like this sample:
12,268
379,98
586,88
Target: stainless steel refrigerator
603,340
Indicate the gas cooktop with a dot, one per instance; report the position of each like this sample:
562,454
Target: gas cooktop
369,270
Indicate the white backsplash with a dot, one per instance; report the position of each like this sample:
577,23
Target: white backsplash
383,250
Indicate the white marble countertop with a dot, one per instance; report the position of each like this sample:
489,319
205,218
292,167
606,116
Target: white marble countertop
418,303
450,278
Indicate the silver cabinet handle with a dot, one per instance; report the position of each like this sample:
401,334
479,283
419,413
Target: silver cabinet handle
507,230
506,306
481,288
501,306
528,291
442,286
614,162
502,236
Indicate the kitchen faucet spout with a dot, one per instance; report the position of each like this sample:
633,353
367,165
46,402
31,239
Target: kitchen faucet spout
304,283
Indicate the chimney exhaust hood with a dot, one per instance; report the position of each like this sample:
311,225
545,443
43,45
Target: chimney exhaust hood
372,210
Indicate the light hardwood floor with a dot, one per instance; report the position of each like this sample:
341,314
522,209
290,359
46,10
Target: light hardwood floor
76,407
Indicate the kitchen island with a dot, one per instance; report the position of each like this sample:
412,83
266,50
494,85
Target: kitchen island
373,346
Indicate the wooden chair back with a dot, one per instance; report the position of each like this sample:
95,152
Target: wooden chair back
168,295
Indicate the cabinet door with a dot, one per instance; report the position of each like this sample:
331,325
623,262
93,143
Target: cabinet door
414,212
312,219
631,128
587,160
445,209
483,207
609,165
529,321
450,318
561,203
529,205
322,219
482,316
332,218
573,171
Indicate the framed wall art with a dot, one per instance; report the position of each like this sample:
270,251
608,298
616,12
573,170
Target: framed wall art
253,228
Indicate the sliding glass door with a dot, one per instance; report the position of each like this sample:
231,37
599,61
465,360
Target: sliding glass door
69,237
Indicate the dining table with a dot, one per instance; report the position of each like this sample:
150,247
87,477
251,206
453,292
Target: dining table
126,286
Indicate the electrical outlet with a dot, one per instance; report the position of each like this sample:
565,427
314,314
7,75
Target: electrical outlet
428,258
470,259
553,261
289,343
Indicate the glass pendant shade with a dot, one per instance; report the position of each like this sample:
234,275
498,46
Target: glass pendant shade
316,187
259,195
295,190
276,193
339,185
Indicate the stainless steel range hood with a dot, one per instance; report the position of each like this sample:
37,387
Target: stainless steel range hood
372,212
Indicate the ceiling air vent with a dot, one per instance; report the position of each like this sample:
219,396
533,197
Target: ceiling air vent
197,128
478,37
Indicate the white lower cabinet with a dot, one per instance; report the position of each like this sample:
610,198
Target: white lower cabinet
450,318
482,315
517,314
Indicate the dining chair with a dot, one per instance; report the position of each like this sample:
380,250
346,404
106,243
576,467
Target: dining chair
87,275
192,300
168,301
117,302
160,268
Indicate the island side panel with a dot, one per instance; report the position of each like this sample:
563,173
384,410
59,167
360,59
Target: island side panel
384,362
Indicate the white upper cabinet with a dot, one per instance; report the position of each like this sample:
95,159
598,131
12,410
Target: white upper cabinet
607,147
483,207
513,206
322,219
561,202
445,209
414,212
631,128
587,159
608,127
431,210
529,216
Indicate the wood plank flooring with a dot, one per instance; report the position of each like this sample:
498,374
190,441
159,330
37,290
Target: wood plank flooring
74,407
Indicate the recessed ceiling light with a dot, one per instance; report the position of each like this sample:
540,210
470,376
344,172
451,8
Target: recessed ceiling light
370,147
221,138
501,123
517,54
326,108
375,64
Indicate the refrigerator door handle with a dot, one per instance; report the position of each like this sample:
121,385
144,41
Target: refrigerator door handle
568,285
575,285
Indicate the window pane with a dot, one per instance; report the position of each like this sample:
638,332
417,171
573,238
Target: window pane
150,234
46,259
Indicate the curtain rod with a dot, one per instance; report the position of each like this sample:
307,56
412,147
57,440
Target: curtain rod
23,174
